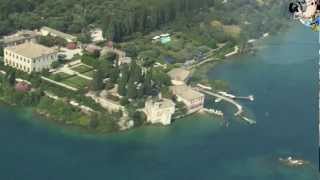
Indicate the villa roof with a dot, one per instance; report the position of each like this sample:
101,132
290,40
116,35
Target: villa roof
31,50
20,35
186,92
166,103
160,104
59,33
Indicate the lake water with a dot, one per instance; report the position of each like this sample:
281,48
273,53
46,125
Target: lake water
283,78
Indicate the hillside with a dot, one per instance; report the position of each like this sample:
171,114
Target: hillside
121,18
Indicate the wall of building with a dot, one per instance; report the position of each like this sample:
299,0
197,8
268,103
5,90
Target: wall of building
20,41
43,62
27,64
16,61
194,105
157,115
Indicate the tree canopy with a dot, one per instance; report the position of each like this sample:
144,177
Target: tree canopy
123,18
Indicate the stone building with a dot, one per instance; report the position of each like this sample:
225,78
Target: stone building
29,57
96,35
194,100
19,37
159,111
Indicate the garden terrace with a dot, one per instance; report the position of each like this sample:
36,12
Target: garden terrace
82,68
77,82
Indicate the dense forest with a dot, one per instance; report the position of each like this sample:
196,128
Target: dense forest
122,18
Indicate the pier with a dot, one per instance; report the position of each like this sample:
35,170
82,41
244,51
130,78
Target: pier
227,99
250,97
230,99
250,121
223,93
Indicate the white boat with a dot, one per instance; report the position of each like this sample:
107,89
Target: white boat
292,162
213,111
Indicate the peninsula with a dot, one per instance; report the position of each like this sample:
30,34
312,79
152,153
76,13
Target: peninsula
108,76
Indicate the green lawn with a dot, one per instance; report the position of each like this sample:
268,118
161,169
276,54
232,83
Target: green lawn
77,82
81,69
89,74
61,75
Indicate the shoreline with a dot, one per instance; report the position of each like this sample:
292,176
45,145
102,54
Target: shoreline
203,70
200,71
41,114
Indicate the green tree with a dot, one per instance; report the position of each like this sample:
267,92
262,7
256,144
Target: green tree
131,50
124,101
35,80
52,41
135,72
132,90
1,49
84,38
114,75
110,56
139,118
55,64
123,80
96,83
122,87
11,77
147,83
90,60
160,78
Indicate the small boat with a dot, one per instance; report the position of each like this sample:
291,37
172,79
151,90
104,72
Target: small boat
289,161
213,111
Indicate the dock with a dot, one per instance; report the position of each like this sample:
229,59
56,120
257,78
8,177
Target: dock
250,97
230,99
223,93
250,121
227,99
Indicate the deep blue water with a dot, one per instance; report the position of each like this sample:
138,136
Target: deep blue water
283,78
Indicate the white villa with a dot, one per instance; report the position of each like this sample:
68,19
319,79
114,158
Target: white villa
159,111
29,57
97,35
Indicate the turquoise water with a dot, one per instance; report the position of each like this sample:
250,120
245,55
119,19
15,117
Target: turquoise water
283,78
